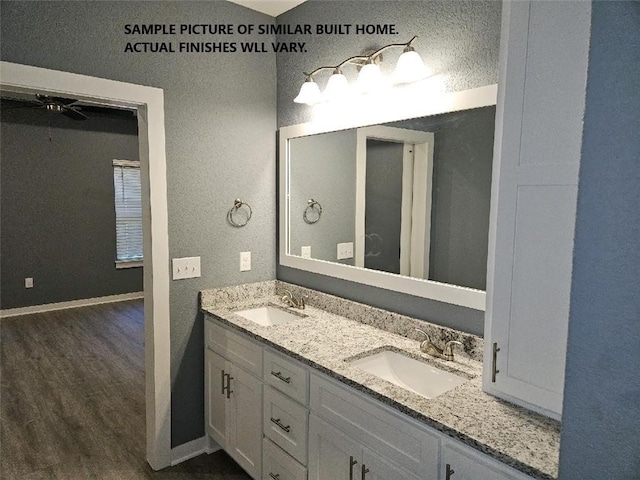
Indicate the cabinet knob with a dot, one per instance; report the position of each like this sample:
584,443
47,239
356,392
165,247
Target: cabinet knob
449,472
352,462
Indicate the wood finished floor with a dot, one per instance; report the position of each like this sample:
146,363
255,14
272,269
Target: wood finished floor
72,399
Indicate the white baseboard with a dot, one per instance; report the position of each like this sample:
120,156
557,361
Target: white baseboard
48,307
192,449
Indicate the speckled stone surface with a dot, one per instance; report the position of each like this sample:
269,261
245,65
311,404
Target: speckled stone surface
328,341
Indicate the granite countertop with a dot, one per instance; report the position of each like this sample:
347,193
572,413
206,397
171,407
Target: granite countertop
328,342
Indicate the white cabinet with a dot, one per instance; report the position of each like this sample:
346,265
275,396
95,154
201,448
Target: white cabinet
388,444
459,462
336,456
233,400
543,64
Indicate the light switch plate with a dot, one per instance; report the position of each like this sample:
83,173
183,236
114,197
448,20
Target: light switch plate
345,250
187,267
28,282
245,261
305,251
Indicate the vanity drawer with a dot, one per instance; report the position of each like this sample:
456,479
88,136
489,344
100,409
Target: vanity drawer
277,465
286,424
287,376
369,423
234,347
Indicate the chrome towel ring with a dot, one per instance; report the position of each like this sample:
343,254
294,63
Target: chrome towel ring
313,212
238,207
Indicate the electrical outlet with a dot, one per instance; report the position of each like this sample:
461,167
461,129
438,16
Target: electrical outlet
345,250
187,267
28,282
305,252
245,261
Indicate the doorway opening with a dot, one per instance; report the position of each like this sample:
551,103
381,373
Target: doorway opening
149,104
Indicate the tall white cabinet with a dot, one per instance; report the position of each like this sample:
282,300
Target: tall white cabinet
539,119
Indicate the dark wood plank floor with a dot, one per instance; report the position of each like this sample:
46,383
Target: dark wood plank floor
72,403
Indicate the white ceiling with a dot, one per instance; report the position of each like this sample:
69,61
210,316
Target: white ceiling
270,7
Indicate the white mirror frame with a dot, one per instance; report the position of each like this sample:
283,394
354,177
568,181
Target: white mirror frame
442,292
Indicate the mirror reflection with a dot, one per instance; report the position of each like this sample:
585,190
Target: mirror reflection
409,197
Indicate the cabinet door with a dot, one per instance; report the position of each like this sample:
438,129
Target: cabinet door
215,399
245,421
539,119
463,463
332,455
377,467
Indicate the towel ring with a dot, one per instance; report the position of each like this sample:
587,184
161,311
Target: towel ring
237,205
312,207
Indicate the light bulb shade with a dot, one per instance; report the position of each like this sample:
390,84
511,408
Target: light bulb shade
410,68
309,93
337,87
370,78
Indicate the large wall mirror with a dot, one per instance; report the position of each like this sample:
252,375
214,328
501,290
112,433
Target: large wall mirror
402,204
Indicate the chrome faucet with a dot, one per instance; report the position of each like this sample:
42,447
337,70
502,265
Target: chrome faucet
428,347
289,299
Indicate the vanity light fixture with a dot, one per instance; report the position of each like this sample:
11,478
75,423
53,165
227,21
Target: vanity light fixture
410,68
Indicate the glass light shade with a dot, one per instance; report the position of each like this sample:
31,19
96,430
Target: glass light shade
410,68
337,87
309,93
370,78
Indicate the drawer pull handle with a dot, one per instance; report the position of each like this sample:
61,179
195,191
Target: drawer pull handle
229,391
365,470
222,382
286,428
275,476
449,472
352,462
279,376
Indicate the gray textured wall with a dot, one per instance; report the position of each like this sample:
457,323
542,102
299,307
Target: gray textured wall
459,40
323,167
462,165
220,143
57,214
601,415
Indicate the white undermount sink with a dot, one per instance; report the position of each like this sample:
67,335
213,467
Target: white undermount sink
267,316
409,373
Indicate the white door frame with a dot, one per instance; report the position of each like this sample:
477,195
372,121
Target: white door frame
149,103
417,179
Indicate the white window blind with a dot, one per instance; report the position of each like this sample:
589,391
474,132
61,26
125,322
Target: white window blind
128,203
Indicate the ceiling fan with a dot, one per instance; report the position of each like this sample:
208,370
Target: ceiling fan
62,105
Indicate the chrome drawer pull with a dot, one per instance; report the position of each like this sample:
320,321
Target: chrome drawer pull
279,376
222,382
365,470
275,476
286,428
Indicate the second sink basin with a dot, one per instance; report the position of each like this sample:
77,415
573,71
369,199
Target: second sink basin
409,373
267,316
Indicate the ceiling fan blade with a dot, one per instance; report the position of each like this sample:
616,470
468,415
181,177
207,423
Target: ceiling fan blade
63,101
74,114
56,100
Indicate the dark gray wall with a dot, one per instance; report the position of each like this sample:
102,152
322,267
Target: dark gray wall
601,416
56,206
462,165
459,40
220,144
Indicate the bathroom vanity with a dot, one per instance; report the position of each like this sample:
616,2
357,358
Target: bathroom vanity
291,400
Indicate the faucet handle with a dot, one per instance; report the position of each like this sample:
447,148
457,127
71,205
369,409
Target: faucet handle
447,351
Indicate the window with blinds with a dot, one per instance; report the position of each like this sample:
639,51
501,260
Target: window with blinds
128,203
